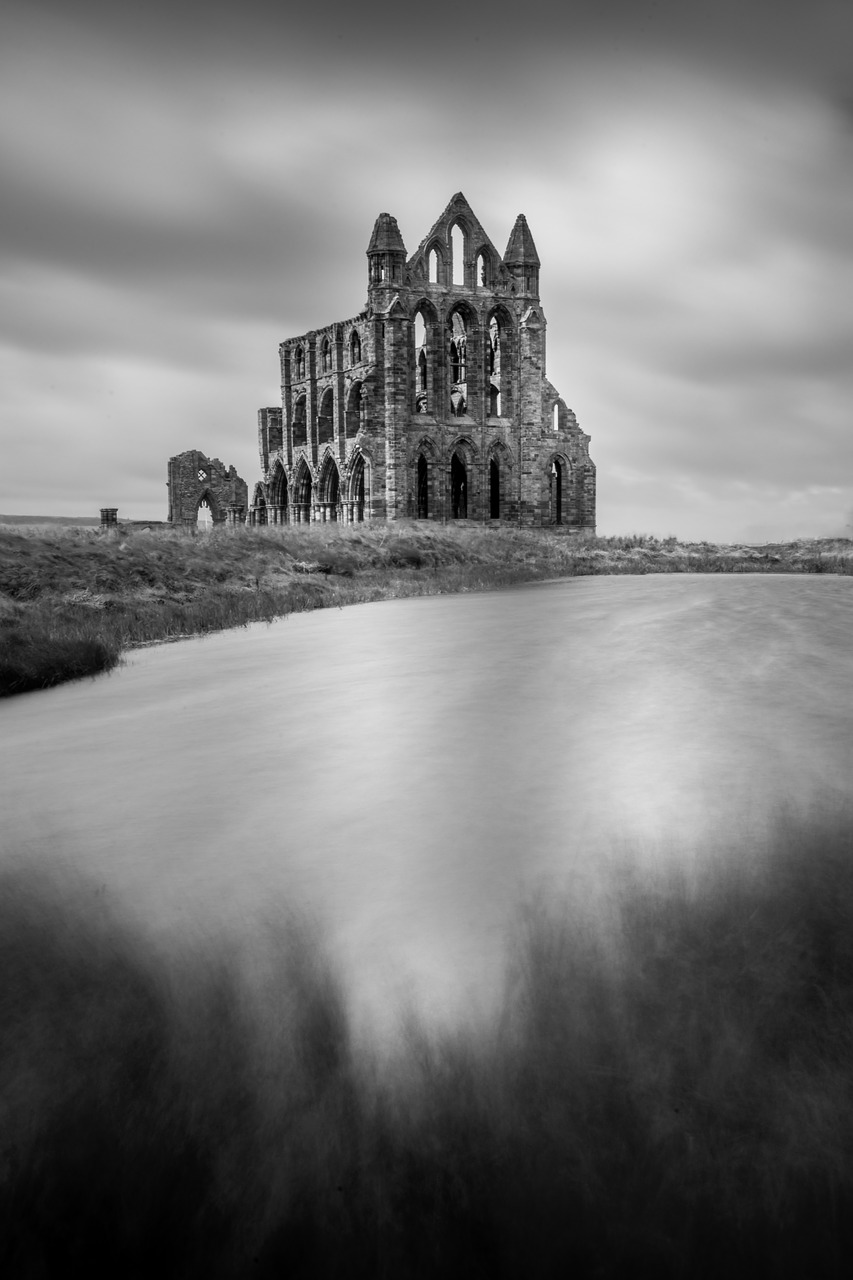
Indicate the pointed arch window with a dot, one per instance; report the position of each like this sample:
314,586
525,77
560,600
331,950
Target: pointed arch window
326,356
299,363
355,348
457,253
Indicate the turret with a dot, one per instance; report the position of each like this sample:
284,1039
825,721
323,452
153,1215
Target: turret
386,259
521,258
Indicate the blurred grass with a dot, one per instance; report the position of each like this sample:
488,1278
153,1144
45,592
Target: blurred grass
670,1096
72,599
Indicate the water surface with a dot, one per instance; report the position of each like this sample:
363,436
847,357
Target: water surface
407,772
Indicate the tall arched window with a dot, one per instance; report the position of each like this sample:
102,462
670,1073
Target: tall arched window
355,348
326,356
557,491
354,411
457,253
494,490
423,488
300,425
458,488
432,262
299,364
326,418
458,360
421,379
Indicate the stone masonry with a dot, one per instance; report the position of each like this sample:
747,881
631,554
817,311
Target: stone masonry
195,481
432,403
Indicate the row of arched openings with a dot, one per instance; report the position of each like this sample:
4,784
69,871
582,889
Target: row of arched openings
459,489
325,428
325,357
303,502
452,374
452,263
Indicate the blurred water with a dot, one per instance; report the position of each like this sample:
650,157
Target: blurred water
407,772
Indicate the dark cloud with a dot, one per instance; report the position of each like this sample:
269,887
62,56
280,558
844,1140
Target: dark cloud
185,186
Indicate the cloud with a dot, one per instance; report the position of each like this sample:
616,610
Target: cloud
181,195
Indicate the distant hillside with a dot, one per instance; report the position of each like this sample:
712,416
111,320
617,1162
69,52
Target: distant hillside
68,520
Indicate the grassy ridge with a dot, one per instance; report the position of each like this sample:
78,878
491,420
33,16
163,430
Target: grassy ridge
673,1099
71,600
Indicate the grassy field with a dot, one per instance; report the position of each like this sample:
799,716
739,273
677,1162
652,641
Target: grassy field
73,599
671,1098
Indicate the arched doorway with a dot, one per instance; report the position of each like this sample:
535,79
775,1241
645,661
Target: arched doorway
303,494
494,490
204,515
458,489
423,488
330,490
557,491
357,491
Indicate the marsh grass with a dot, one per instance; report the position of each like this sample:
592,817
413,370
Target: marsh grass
668,1096
73,599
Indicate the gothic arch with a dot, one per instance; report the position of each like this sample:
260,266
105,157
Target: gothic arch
499,349
436,247
278,495
498,479
558,477
357,486
208,499
258,513
303,493
300,421
329,487
424,347
354,417
326,418
462,364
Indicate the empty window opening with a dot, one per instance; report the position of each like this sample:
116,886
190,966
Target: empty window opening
484,275
433,266
355,348
420,338
494,490
457,253
327,356
357,492
326,418
458,349
557,490
494,401
423,488
299,364
458,489
204,516
556,417
300,425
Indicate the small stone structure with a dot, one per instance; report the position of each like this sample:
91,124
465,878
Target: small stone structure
432,403
195,481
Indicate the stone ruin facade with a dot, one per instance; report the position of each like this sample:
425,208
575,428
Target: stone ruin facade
197,481
432,403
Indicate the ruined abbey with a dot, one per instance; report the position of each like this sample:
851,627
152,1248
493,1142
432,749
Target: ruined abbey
432,403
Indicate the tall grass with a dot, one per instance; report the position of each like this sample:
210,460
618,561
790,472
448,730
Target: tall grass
669,1096
71,600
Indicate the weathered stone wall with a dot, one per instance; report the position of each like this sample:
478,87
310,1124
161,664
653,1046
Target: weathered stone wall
433,402
195,479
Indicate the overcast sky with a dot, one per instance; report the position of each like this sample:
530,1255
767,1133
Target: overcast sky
184,186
